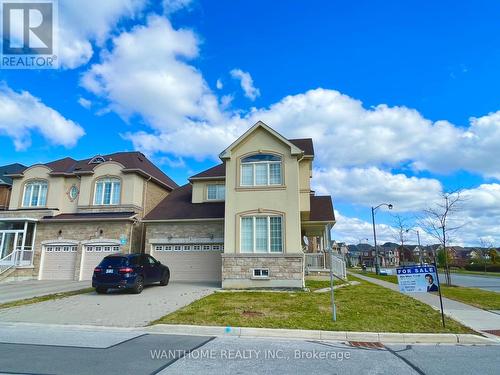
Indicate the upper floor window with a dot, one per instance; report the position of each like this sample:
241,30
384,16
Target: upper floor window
107,191
216,192
35,194
261,170
261,234
97,160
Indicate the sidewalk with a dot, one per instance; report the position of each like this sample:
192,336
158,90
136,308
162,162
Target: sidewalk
470,316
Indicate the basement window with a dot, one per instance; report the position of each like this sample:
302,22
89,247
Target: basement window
261,273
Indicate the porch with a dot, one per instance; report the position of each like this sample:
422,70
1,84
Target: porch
319,255
17,238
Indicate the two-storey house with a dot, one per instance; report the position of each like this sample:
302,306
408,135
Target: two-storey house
66,215
242,222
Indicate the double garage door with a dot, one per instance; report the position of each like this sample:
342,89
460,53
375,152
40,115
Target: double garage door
60,261
191,262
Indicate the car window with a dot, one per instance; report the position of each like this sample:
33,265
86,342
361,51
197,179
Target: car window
133,261
113,262
150,259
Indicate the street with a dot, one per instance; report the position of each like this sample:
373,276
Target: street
474,281
51,349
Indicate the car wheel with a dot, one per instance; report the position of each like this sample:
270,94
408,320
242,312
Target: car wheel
101,290
139,286
165,279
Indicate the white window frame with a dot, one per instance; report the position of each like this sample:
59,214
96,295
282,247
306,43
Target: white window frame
268,163
257,273
34,183
220,192
108,180
268,217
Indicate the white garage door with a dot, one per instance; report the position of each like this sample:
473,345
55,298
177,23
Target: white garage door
92,256
59,262
191,262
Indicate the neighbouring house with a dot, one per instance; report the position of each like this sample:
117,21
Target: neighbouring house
6,183
66,215
242,223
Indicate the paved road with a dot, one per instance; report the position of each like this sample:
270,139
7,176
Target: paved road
474,281
76,350
15,290
118,308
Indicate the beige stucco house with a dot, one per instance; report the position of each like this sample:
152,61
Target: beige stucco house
66,215
242,223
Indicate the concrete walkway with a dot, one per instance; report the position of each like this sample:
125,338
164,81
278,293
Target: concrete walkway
16,290
470,316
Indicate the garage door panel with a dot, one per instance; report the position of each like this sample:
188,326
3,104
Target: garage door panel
92,257
192,265
58,264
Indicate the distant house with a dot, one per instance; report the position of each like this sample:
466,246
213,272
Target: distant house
6,183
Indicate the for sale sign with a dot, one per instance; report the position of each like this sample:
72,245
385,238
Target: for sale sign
417,279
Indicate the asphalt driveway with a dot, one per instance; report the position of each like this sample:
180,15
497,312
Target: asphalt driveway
117,308
16,290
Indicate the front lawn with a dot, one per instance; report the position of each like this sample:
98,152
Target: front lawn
363,307
483,299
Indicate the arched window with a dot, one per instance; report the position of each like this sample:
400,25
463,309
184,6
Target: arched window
35,193
97,160
261,170
107,191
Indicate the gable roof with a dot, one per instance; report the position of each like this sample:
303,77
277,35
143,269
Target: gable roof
321,208
259,124
6,170
178,206
219,171
134,162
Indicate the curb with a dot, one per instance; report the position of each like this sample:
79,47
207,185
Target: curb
387,338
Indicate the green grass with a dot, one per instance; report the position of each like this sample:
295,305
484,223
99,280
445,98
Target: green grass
48,297
483,299
320,284
363,307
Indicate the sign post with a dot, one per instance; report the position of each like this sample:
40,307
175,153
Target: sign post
420,279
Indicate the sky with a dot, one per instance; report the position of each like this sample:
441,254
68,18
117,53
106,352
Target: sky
400,98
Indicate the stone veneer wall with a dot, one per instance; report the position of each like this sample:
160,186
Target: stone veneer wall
285,270
77,231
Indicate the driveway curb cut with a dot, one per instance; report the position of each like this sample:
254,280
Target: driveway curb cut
388,338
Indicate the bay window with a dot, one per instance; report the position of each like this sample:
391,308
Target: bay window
107,191
216,192
35,194
261,234
261,170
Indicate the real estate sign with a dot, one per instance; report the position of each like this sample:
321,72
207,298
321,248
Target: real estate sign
417,279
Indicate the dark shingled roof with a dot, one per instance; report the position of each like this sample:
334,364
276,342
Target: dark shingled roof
321,208
9,169
177,206
90,216
305,144
132,161
217,171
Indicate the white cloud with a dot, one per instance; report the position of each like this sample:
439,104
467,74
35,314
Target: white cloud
85,103
21,114
371,186
172,6
246,82
82,23
219,84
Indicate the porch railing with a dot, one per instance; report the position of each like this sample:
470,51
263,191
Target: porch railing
321,262
18,258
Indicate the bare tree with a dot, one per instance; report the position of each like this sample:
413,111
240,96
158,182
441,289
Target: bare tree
484,250
436,222
401,227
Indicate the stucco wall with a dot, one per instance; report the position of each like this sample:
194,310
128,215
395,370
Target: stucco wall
283,199
199,194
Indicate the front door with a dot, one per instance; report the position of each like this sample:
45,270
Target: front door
7,243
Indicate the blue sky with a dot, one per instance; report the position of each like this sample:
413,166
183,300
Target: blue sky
386,89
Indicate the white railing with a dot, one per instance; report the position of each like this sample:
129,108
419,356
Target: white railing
321,262
18,258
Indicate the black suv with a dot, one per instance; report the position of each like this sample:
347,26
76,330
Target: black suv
129,271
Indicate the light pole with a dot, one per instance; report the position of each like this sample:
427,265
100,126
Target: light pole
377,266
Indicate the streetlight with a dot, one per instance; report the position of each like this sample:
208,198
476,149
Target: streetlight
377,266
420,252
